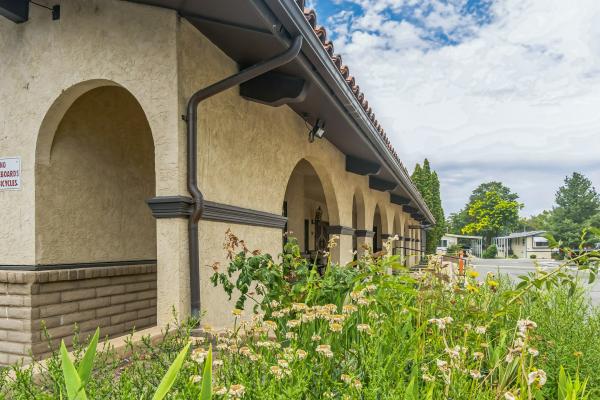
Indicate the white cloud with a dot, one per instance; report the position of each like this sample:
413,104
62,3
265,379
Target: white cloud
517,100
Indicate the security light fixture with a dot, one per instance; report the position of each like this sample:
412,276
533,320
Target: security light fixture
317,131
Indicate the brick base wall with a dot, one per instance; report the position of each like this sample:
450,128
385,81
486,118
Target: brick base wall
116,298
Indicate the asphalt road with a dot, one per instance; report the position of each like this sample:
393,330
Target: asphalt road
514,268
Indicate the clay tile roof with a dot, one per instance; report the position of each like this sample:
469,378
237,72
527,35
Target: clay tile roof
336,59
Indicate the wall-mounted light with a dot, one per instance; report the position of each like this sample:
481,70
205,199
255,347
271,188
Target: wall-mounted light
317,131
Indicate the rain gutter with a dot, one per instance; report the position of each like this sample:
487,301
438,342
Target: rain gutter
192,152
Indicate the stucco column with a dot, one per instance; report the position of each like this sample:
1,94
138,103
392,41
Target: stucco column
342,253
173,279
364,239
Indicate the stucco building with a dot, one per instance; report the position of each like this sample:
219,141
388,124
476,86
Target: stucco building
125,163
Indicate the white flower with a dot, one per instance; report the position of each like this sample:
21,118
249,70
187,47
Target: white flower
291,335
475,374
509,396
363,328
539,376
315,338
533,351
477,355
442,365
428,378
301,354
292,323
480,330
525,325
237,390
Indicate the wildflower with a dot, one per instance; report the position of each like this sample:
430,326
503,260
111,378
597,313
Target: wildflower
254,357
338,318
218,363
335,327
363,328
325,350
274,303
308,316
472,289
477,355
270,324
292,323
237,312
283,363
509,396
492,284
533,351
442,365
199,341
301,354
473,274
277,314
277,371
291,335
357,384
524,325
196,378
357,294
475,374
428,378
577,354
220,390
245,351
237,390
199,355
328,395
441,322
538,376
349,309
299,307
222,346
315,338
484,345
371,288
453,353
468,327
346,378
480,330
363,301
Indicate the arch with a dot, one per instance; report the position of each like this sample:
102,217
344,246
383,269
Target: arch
377,229
94,170
57,111
310,206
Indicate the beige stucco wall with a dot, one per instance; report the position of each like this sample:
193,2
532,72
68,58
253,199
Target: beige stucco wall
91,195
247,152
44,63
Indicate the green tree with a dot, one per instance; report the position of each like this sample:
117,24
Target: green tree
458,221
492,215
428,183
577,207
539,222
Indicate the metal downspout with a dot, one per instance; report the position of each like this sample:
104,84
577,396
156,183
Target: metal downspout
192,150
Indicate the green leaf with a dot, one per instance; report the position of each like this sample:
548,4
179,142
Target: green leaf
206,391
86,364
72,380
169,378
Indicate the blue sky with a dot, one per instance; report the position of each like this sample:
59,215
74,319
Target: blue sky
503,90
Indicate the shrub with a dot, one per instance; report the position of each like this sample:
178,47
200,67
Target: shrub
533,256
359,332
490,252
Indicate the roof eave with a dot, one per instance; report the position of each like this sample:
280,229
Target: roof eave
347,98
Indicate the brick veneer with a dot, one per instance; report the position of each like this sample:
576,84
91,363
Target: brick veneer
114,298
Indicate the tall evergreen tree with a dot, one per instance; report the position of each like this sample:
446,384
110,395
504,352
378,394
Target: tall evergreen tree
428,183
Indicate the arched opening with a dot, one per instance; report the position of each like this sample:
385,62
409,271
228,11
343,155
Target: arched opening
308,211
94,171
378,230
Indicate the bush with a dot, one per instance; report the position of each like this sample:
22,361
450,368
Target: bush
490,252
359,332
533,256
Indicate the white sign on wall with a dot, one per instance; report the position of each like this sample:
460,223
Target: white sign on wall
10,173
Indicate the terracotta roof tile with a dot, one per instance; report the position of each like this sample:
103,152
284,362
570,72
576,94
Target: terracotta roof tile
336,59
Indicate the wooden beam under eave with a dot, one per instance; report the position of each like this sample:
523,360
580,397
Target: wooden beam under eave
381,185
15,10
397,199
361,167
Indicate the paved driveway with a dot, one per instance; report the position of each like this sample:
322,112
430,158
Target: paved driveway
514,268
